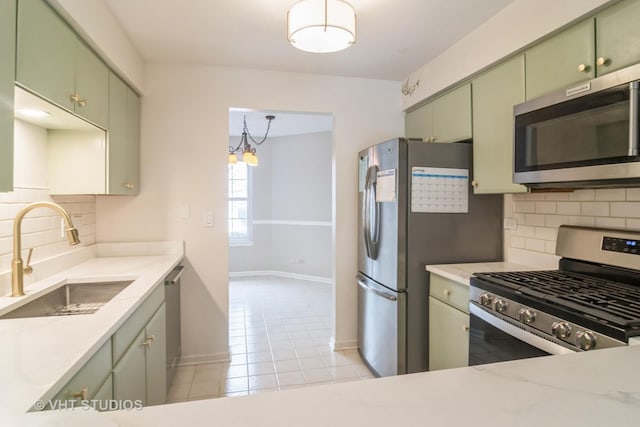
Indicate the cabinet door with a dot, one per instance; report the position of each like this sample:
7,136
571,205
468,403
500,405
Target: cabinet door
104,395
129,382
419,122
45,53
133,142
124,138
452,115
7,78
618,36
91,86
494,95
156,367
448,336
561,60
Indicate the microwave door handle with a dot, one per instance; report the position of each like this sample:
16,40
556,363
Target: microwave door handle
633,118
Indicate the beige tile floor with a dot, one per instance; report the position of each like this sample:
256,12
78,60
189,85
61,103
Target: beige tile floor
279,332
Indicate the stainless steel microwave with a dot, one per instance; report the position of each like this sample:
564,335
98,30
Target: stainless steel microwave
582,136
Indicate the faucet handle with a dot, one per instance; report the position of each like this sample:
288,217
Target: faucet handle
27,268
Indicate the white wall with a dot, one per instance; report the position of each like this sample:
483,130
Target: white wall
292,207
184,157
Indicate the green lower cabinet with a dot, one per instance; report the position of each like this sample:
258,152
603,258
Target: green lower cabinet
494,95
129,374
88,382
104,396
448,336
140,374
618,37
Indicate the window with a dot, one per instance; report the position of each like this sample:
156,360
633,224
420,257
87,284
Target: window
239,204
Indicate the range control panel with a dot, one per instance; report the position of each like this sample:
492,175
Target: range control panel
616,244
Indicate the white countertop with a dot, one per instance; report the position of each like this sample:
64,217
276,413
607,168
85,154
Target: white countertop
40,355
592,389
461,273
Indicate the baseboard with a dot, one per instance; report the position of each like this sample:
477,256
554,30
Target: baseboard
273,273
343,345
204,358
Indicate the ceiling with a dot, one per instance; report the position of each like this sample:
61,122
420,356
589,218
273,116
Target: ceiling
394,39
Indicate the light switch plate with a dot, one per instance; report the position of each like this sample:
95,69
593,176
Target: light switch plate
208,219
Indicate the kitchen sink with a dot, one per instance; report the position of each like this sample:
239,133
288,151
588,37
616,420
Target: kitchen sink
70,299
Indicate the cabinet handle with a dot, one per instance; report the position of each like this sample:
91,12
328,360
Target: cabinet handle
583,68
74,97
446,292
474,183
147,342
82,102
83,394
129,186
465,328
602,61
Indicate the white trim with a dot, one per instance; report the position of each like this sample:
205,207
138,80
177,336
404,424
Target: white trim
204,358
342,345
286,274
290,222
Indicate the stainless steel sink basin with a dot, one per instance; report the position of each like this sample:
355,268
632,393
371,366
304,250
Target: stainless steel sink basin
70,299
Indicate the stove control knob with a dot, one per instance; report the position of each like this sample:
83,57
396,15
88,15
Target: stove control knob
561,330
585,340
527,315
500,305
486,299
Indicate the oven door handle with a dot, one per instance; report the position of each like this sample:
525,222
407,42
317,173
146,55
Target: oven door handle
522,335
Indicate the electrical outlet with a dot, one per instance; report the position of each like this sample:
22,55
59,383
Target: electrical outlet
510,224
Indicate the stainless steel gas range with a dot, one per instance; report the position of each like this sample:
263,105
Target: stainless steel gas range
591,302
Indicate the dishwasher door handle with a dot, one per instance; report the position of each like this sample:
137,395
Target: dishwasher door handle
382,294
173,277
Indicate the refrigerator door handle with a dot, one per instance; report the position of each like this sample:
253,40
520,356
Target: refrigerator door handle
371,237
382,294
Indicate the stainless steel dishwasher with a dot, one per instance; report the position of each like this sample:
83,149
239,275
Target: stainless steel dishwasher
172,301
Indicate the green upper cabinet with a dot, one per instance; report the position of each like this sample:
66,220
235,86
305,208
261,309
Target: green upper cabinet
445,119
618,36
494,95
54,63
124,138
7,78
561,60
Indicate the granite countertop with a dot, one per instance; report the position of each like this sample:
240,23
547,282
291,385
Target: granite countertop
40,355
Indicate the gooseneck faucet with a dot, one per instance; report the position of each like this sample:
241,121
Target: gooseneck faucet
17,269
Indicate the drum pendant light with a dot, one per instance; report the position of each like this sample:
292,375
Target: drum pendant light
321,26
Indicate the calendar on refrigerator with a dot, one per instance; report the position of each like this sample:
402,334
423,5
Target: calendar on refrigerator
436,190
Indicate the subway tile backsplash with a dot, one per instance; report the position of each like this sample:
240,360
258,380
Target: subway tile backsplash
538,215
41,228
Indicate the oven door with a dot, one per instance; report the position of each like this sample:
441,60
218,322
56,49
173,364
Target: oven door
492,339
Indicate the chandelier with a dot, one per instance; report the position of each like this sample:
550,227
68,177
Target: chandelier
321,26
244,149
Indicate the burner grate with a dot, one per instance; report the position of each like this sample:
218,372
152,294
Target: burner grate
610,301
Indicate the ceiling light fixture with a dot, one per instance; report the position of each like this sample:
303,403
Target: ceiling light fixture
244,147
321,26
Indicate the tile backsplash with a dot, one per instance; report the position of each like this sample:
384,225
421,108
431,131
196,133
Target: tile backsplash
41,228
538,216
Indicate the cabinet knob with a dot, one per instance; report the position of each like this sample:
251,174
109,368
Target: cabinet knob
83,394
147,342
474,183
74,97
602,61
583,68
129,186
465,328
446,292
82,102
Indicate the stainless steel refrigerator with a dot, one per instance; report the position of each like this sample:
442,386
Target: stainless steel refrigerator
416,207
